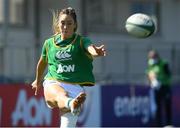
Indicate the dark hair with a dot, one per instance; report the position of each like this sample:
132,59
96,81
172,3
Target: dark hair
153,53
69,11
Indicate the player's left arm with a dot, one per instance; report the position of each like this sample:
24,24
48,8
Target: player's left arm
96,51
92,49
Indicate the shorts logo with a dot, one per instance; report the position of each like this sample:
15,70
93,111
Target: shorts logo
63,55
65,68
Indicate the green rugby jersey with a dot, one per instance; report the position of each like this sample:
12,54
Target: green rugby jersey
68,60
160,70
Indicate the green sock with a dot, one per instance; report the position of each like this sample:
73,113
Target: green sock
67,104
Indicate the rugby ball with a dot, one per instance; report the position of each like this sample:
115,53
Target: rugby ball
140,25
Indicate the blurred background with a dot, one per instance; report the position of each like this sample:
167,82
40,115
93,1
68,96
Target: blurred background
24,26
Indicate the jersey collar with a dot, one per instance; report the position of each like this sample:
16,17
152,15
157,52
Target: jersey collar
58,40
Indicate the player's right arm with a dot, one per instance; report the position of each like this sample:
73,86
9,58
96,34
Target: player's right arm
41,66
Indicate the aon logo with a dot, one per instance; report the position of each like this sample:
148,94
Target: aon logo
65,68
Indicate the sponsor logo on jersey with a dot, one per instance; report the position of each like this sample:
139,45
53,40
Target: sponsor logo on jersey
63,55
65,68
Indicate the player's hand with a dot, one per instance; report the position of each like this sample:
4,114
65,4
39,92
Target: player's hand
99,50
152,75
36,87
